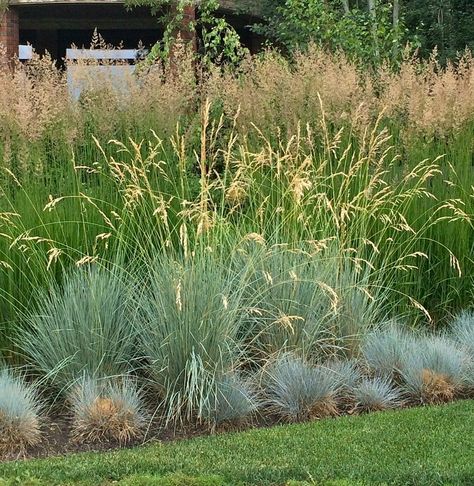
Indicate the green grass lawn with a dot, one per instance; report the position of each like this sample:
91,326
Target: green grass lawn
422,446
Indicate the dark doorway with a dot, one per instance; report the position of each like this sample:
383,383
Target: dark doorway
55,28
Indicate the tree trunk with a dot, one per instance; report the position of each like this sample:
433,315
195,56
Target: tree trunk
396,23
396,14
373,14
345,5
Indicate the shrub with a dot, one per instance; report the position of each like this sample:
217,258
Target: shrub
190,326
297,391
20,410
83,326
376,394
434,371
106,410
385,349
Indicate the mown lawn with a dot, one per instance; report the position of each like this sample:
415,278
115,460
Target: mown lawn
422,446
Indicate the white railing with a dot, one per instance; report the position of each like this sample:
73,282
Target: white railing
103,54
116,70
81,76
25,53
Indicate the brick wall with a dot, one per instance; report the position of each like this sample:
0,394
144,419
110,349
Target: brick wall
10,32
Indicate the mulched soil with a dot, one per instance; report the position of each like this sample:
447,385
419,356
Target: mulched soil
56,439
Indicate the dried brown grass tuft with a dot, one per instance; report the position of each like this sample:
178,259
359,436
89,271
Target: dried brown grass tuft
437,387
323,408
107,413
105,419
18,434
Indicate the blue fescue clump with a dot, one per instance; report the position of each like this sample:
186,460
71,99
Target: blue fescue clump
232,401
376,394
434,371
296,390
462,331
385,349
107,410
20,410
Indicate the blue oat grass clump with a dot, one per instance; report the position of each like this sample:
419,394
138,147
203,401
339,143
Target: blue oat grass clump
20,415
191,324
296,390
107,411
81,327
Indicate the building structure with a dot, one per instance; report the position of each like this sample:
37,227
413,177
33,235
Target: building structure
55,25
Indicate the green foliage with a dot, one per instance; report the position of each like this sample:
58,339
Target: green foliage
372,36
443,24
81,326
220,41
369,37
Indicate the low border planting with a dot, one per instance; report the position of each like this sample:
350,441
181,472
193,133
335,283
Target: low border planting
187,360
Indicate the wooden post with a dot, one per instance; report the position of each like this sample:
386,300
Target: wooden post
185,31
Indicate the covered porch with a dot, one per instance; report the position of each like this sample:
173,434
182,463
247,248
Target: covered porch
55,25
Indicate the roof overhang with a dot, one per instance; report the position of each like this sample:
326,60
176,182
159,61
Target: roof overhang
60,2
247,6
